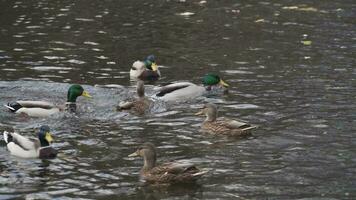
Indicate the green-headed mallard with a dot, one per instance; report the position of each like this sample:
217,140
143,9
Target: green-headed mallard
212,84
167,173
146,70
44,108
140,105
222,126
31,148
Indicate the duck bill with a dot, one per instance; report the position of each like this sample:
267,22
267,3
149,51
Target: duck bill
199,113
48,137
86,94
223,83
154,66
133,154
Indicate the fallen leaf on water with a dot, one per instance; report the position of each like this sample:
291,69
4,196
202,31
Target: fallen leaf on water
306,42
260,20
307,9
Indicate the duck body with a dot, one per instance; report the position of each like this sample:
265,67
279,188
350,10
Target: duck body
145,70
23,147
222,126
44,108
182,91
172,173
167,173
140,105
34,108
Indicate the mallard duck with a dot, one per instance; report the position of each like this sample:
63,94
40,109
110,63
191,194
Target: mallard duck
31,148
44,108
140,105
167,173
146,70
222,126
212,84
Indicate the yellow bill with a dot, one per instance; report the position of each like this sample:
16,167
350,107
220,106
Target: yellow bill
86,94
199,113
154,66
133,154
48,137
223,83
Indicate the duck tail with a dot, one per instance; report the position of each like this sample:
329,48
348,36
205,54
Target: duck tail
13,107
7,137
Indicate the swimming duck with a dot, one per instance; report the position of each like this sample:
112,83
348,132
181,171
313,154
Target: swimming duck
212,84
222,126
44,108
23,147
146,70
167,173
140,105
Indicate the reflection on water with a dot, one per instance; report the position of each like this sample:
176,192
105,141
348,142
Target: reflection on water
289,64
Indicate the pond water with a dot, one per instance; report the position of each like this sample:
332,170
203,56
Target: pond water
290,66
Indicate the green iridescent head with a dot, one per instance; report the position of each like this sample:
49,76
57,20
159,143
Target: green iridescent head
213,79
150,63
75,91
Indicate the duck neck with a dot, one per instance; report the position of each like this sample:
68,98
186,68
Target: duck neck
140,89
71,106
149,163
207,87
44,143
211,117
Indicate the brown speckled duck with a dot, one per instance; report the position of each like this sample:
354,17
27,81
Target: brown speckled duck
140,105
222,126
167,173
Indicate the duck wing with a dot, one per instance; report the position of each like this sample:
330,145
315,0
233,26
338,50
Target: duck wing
36,104
23,142
174,172
172,87
236,124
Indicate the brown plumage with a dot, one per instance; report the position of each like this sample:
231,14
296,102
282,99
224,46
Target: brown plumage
222,126
167,173
140,105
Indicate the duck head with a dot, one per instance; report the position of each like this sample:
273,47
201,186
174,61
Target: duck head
148,152
75,91
210,110
213,79
150,63
45,136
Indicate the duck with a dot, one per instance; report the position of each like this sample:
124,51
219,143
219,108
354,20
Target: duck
182,91
222,126
44,108
141,105
23,147
174,172
146,70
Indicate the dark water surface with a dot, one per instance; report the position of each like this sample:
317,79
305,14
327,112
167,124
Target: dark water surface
290,65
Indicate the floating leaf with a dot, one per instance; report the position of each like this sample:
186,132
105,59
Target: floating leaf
260,21
307,9
306,42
